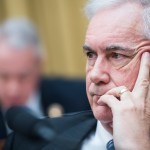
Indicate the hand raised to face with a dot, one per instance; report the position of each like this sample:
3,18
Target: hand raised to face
131,111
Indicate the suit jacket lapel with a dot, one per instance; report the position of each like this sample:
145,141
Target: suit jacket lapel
2,127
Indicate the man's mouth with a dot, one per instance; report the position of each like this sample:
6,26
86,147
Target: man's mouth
111,124
96,99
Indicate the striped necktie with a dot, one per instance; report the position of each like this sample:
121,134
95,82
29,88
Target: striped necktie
110,145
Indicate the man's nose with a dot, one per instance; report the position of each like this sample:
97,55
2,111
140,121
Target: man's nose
100,72
13,87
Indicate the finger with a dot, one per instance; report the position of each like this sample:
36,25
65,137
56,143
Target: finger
116,92
109,100
148,95
142,83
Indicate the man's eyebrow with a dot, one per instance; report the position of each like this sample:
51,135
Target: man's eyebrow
87,48
109,48
117,47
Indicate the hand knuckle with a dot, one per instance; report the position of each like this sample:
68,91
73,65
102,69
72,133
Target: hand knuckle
123,87
145,83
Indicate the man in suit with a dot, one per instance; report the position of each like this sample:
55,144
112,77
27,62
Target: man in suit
20,76
117,46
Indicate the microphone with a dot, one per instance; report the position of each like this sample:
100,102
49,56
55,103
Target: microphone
22,120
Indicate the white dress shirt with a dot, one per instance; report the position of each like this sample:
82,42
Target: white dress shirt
34,103
98,140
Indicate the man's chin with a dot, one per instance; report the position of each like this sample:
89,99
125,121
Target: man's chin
103,114
108,127
11,103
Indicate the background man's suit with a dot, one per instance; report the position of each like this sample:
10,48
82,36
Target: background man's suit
71,132
2,127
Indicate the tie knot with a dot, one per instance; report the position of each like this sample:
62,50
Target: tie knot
110,145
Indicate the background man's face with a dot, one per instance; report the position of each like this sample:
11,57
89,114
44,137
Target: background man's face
19,72
113,48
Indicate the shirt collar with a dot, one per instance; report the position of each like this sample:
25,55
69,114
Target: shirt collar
34,104
102,134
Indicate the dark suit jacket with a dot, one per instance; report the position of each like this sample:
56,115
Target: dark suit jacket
2,127
71,131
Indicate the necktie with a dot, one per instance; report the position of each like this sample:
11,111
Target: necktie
110,145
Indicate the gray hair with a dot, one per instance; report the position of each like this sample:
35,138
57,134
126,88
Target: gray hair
21,33
95,5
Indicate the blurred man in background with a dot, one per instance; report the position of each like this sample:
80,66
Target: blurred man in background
20,63
21,84
20,67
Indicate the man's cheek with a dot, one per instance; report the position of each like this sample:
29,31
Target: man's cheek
131,79
127,75
87,87
88,82
131,70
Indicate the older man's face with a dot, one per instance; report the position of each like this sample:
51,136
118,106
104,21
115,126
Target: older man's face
113,47
19,73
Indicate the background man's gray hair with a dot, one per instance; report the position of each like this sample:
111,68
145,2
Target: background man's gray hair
20,33
96,5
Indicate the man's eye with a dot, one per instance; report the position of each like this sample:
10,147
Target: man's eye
117,56
22,77
118,59
4,77
91,55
